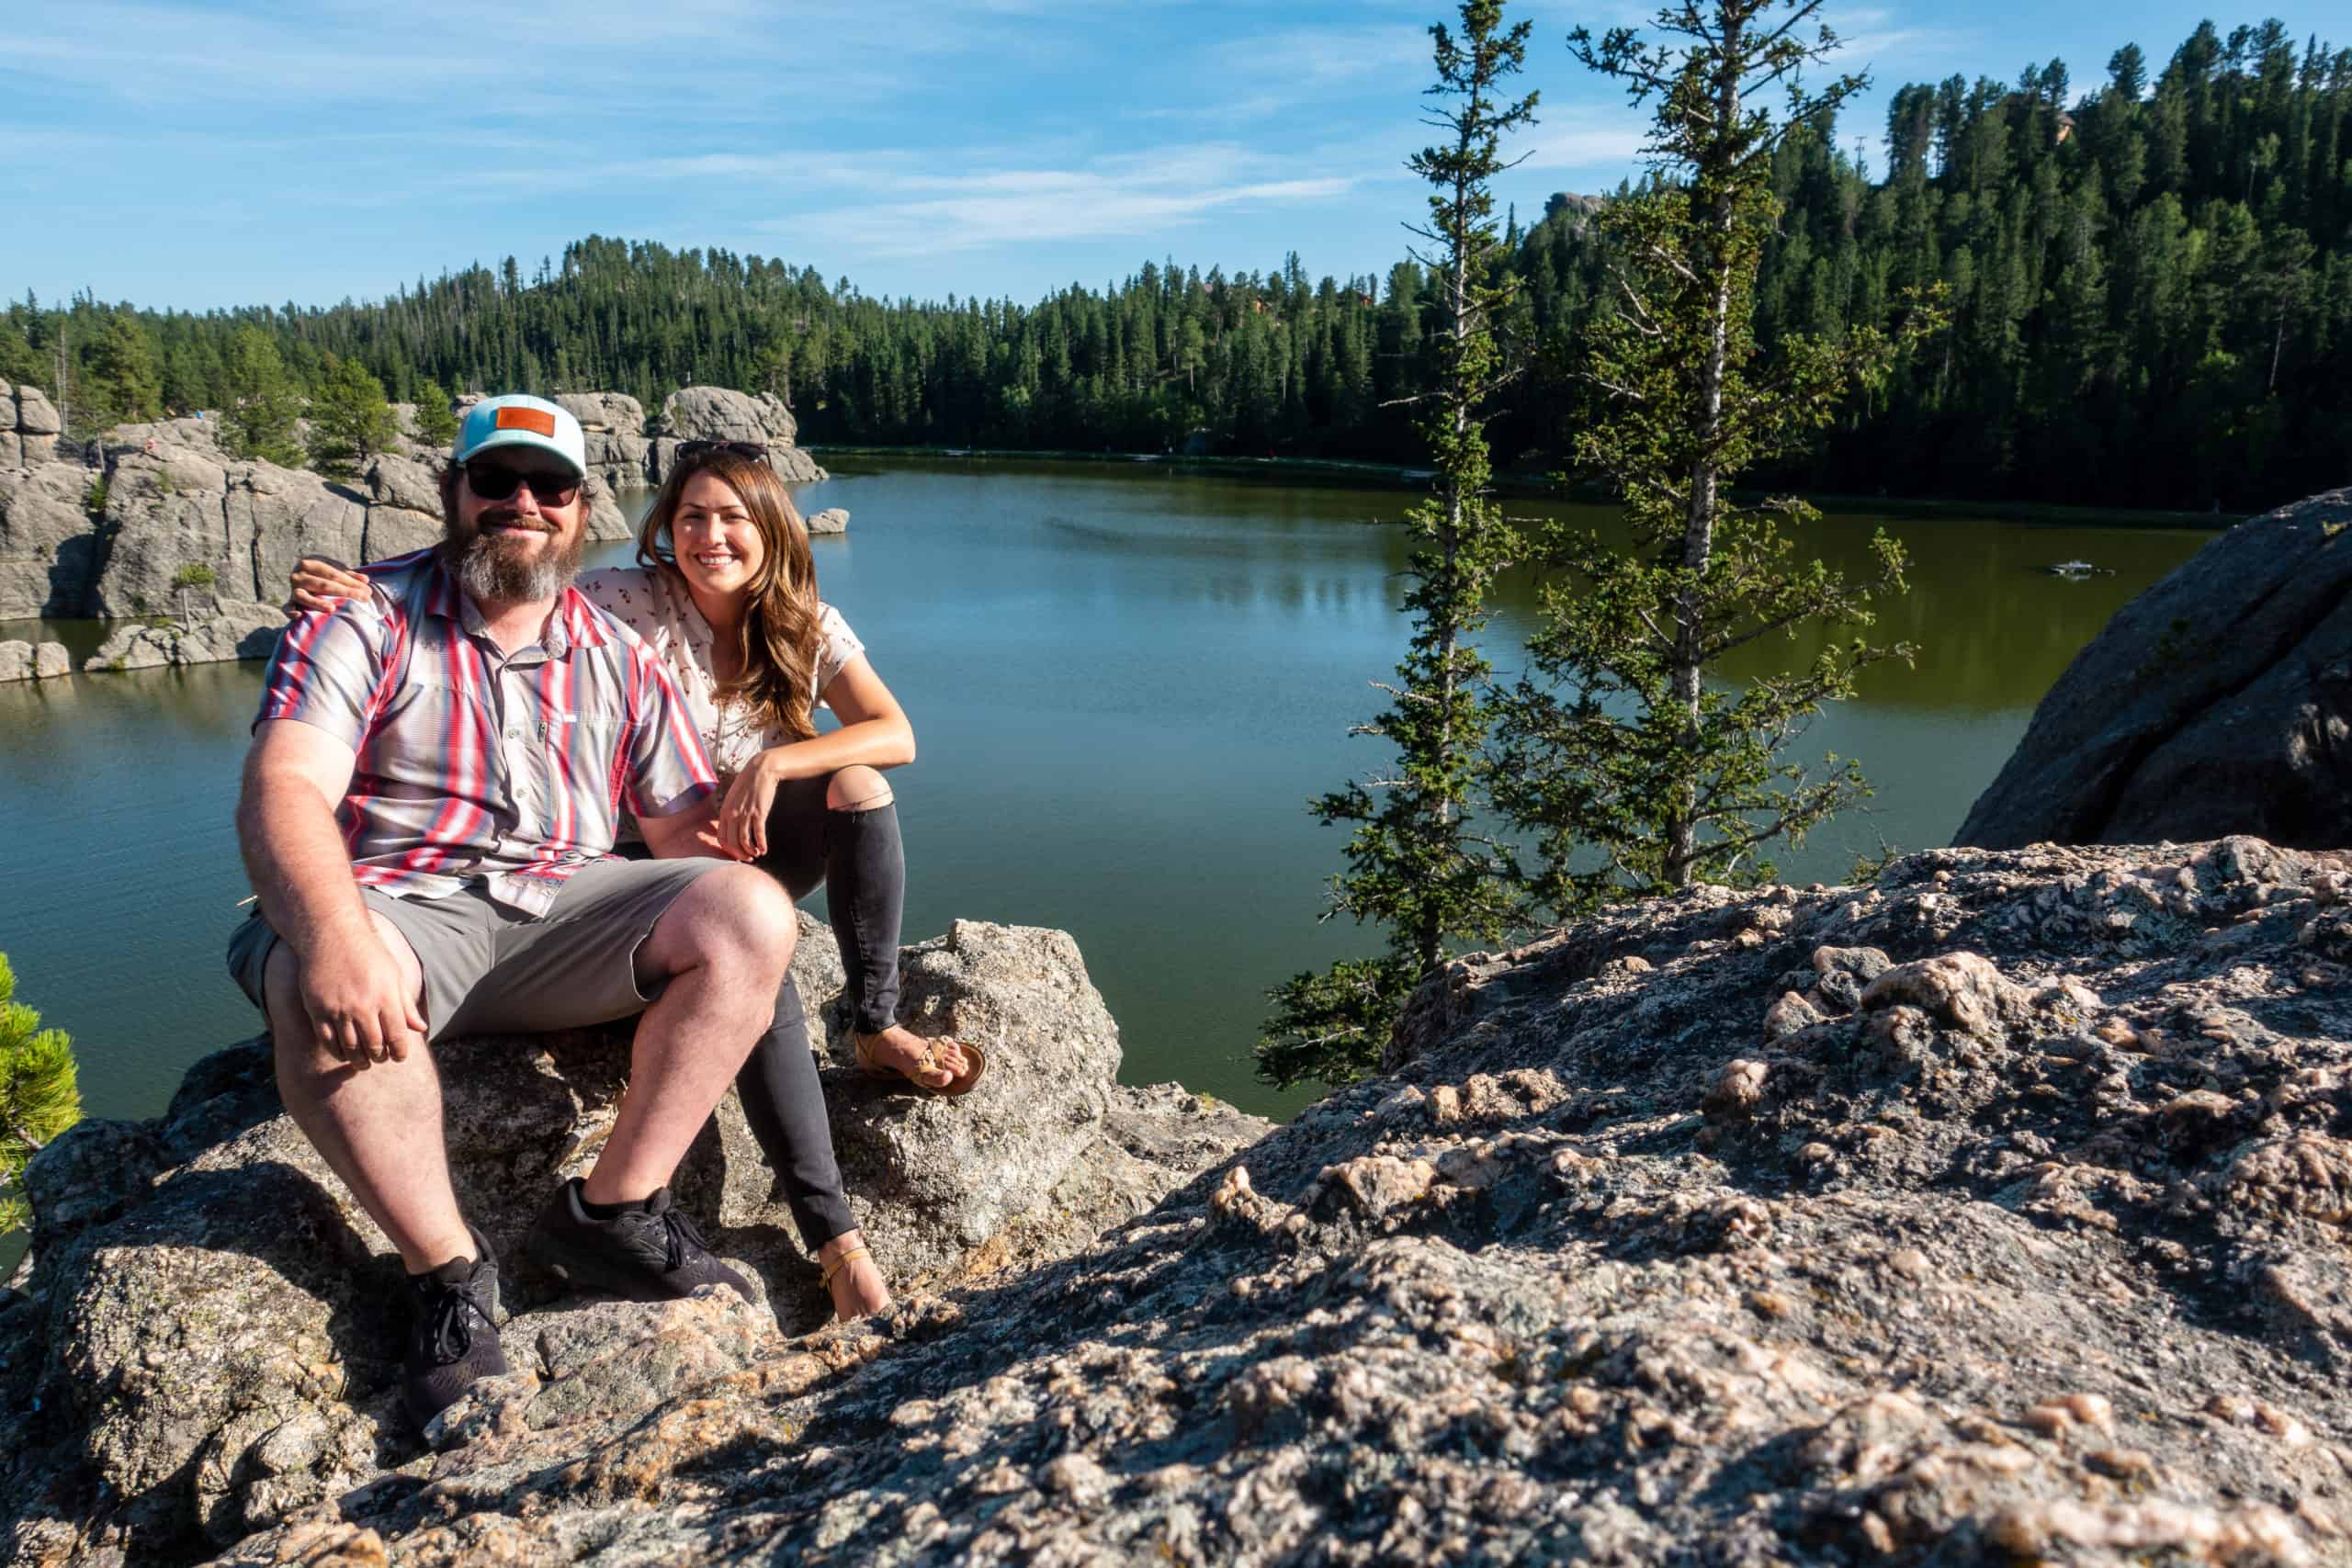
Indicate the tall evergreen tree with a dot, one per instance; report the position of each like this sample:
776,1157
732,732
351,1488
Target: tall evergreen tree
262,404
350,419
1419,865
1635,772
121,380
436,420
38,1098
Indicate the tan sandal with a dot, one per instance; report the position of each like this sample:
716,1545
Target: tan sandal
952,1089
838,1264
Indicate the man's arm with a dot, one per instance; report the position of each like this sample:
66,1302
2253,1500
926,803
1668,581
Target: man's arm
352,985
693,832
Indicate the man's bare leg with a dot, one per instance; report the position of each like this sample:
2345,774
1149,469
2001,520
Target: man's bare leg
378,1125
722,947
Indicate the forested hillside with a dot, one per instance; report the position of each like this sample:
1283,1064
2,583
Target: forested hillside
2151,284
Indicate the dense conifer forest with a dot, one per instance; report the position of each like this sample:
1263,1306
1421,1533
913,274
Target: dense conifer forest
2150,278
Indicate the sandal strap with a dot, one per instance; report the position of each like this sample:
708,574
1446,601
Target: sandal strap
843,1261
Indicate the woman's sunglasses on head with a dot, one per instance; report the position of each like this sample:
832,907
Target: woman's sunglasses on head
700,451
496,481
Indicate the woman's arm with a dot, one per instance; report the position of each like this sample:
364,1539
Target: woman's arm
874,731
317,584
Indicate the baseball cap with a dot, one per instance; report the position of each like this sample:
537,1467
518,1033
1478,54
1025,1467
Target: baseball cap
515,421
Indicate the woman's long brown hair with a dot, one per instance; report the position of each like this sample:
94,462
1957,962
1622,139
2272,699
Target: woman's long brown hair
776,638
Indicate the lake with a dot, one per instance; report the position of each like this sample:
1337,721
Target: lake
1126,682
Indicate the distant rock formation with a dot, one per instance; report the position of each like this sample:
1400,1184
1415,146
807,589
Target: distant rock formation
205,1344
2220,701
51,546
33,662
28,427
171,514
716,414
1991,1212
832,520
207,631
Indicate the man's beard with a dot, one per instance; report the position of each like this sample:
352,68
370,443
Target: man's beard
491,572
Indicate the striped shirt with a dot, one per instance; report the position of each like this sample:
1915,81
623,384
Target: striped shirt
471,762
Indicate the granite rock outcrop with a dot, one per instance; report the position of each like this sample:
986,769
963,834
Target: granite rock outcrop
1990,1212
832,520
720,413
51,545
205,1340
2218,702
28,427
22,660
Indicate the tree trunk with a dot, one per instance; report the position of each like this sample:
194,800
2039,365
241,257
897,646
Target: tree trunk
1714,264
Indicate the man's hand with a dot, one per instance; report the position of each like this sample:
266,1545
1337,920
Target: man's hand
360,1003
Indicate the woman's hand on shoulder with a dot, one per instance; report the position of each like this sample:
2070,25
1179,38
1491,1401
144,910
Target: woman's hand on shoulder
317,584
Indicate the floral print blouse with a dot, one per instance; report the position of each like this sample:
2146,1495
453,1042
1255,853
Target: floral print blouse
657,607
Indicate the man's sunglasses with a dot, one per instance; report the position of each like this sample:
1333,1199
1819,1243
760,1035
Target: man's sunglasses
496,481
697,451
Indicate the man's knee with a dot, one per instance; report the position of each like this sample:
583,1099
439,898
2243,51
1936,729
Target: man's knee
292,1034
857,788
743,913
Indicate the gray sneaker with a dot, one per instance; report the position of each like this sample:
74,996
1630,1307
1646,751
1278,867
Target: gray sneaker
647,1252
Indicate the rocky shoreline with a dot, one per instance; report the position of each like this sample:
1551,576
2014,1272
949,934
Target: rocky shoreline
188,546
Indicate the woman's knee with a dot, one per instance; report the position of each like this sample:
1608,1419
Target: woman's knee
857,788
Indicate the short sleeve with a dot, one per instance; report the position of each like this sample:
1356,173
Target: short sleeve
667,769
836,645
326,669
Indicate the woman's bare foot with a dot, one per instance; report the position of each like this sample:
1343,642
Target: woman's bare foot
857,1286
900,1049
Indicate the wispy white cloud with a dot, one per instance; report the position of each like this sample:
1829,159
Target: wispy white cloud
1136,196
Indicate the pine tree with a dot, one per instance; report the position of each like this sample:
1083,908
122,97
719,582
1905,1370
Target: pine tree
39,1099
1418,865
1634,772
436,421
350,420
121,380
261,411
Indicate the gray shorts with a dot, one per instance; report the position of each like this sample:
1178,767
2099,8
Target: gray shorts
491,970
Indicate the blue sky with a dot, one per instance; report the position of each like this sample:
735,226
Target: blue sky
180,153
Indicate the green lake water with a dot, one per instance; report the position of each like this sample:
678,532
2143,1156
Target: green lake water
1126,682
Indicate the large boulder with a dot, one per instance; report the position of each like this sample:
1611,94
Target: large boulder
832,520
50,550
210,1324
720,413
16,660
2220,701
614,424
403,506
36,415
28,427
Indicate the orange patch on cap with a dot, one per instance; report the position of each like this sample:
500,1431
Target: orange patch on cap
537,421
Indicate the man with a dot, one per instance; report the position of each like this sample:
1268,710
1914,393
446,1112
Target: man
428,813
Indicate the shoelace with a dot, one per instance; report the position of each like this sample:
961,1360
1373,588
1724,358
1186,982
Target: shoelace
678,1233
451,1332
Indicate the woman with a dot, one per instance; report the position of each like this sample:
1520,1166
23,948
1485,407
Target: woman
727,594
